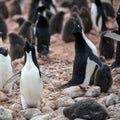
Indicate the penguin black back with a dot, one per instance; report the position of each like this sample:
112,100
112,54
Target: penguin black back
56,22
3,27
103,78
4,9
16,46
86,19
43,35
31,48
32,15
106,46
87,109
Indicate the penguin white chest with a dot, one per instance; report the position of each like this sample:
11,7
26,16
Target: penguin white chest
31,84
5,71
89,71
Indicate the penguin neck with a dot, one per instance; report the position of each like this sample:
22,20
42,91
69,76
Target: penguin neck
31,58
79,43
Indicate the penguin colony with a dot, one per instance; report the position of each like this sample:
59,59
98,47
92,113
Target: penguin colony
34,36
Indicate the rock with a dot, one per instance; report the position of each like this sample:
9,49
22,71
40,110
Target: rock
111,100
94,91
73,92
47,109
64,101
39,117
30,112
114,111
60,102
59,114
81,98
16,106
3,97
5,114
79,119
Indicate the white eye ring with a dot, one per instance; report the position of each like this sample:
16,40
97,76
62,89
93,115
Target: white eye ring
78,25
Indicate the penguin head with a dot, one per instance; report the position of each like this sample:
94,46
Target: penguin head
28,47
3,51
118,17
97,2
41,9
77,29
30,51
20,21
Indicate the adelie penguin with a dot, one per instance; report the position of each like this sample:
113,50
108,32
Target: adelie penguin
42,33
85,59
26,31
4,9
31,82
6,70
87,109
106,46
56,23
17,44
98,16
3,27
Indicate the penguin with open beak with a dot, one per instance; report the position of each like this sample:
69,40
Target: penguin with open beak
85,59
6,70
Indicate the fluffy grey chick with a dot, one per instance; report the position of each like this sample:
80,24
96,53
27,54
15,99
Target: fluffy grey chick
16,46
87,109
103,78
56,22
26,31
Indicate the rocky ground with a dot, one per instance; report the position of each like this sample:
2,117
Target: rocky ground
58,71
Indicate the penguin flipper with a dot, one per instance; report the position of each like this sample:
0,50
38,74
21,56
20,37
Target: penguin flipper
94,58
113,35
15,77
